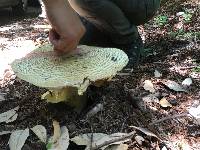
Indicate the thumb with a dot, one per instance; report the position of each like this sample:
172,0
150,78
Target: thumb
53,36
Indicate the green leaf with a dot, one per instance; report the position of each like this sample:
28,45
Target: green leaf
49,146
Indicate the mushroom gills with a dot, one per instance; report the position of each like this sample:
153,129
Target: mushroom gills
69,95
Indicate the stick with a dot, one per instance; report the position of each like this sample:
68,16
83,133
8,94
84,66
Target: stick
167,118
106,143
188,67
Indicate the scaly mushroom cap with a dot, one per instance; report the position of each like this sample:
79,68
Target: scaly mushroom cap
44,68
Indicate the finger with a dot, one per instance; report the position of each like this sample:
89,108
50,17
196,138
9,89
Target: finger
75,51
58,43
52,36
61,46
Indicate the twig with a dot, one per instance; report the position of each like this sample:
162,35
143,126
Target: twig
124,74
170,117
123,124
188,67
91,140
106,143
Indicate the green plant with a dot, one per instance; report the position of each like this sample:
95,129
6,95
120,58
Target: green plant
161,20
197,69
181,34
187,17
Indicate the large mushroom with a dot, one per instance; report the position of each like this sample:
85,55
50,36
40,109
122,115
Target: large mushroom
68,76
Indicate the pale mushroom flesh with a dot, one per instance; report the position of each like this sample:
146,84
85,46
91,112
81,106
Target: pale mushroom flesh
68,76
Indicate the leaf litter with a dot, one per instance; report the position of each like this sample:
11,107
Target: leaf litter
157,74
5,132
41,132
146,131
187,82
102,141
9,116
195,112
17,139
2,98
164,103
174,86
148,85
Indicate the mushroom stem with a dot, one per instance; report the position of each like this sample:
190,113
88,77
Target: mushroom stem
68,95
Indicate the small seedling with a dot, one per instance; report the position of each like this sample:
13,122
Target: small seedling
187,17
161,20
197,69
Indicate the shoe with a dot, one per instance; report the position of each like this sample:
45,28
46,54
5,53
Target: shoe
135,51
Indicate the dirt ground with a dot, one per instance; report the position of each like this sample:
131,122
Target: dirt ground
173,48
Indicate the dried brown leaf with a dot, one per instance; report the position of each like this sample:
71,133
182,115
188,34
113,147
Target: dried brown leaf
148,85
164,103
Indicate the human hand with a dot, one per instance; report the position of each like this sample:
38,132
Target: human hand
67,29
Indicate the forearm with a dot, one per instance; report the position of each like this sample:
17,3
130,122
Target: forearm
60,7
62,12
67,28
49,4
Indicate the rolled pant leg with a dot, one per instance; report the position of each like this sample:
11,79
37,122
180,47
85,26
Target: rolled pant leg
118,18
107,16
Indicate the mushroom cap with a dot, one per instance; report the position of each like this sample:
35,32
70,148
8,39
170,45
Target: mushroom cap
44,68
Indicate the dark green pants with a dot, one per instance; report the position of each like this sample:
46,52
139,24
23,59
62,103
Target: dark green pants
116,20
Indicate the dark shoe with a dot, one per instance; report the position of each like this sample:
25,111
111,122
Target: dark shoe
134,51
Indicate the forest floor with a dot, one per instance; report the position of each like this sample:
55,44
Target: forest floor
172,42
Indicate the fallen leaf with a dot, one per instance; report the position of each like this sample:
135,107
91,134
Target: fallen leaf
60,139
164,148
99,139
180,13
183,145
139,139
95,110
195,112
41,132
174,86
151,98
145,131
5,132
2,98
157,74
112,137
148,85
63,141
17,139
187,82
85,139
117,147
9,116
164,103
13,118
